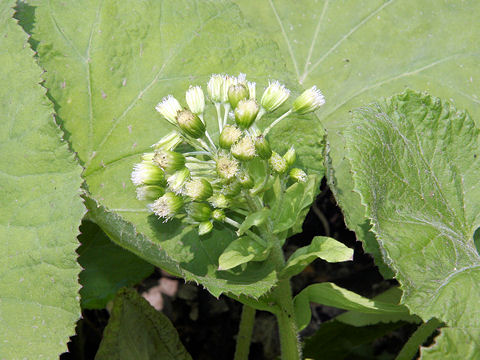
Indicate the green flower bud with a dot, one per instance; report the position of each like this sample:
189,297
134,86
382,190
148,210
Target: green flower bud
245,180
205,227
246,112
167,206
227,167
236,93
199,211
169,161
244,150
190,123
169,141
229,136
232,189
218,215
309,101
298,175
146,173
219,201
278,163
195,99
169,107
214,88
178,179
274,96
263,147
149,192
290,156
198,189
227,82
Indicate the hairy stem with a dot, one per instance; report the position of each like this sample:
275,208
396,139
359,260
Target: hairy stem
267,130
245,333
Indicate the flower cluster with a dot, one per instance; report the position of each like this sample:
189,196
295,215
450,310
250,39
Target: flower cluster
209,179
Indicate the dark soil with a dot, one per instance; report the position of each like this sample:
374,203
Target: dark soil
208,326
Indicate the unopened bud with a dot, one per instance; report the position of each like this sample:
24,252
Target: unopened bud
229,136
195,99
246,112
199,211
244,149
169,107
245,180
167,206
149,192
251,90
263,147
227,167
169,161
178,179
198,189
146,173
218,215
205,227
298,175
274,96
219,201
310,100
169,141
232,189
278,163
190,123
214,88
227,82
290,156
236,93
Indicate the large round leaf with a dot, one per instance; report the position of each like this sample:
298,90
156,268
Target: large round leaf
40,213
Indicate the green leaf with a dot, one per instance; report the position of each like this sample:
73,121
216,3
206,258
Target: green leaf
415,165
335,341
138,331
357,51
391,296
241,251
254,219
321,247
332,295
41,209
108,64
107,267
291,207
453,344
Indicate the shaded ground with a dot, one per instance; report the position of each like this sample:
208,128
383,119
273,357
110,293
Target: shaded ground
205,323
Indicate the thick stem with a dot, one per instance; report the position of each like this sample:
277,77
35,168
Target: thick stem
245,333
282,296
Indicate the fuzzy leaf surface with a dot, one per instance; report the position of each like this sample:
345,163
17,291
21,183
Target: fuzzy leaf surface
356,51
415,166
321,247
106,267
137,331
41,209
108,64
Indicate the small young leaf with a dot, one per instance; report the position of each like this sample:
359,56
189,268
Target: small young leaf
241,251
332,295
138,331
254,219
321,247
287,210
107,267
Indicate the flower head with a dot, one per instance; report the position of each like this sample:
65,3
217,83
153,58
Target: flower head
169,141
190,123
168,160
149,192
298,175
177,180
227,167
195,99
310,100
146,173
246,112
198,189
278,163
229,136
244,149
169,107
167,206
274,96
